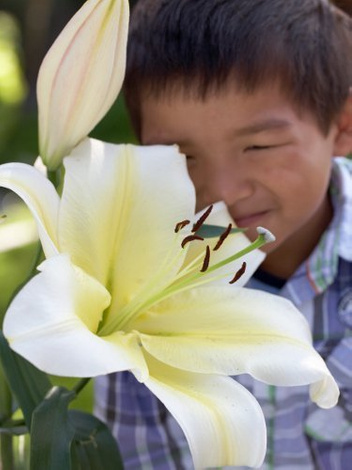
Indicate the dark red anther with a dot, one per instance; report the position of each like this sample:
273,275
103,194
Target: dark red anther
190,238
223,237
180,225
202,219
206,260
239,273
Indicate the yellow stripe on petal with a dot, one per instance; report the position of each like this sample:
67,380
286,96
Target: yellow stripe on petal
163,194
222,421
95,205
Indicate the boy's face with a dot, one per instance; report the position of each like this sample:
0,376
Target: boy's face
270,164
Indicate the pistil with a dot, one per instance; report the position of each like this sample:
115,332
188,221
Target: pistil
191,276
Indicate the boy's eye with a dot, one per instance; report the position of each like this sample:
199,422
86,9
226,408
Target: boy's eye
258,147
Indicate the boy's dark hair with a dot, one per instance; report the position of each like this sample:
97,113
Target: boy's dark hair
199,45
345,5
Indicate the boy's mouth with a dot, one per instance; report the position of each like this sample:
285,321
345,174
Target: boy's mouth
250,220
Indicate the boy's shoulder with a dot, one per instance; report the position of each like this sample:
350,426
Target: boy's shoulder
337,239
341,181
328,269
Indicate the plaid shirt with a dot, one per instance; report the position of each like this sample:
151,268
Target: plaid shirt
300,435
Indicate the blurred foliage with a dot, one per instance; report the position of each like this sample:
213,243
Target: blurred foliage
12,82
12,86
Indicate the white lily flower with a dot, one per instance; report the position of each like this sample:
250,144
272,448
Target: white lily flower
118,292
81,76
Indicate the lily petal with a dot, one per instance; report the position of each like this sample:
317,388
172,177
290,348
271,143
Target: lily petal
73,93
236,330
105,222
222,421
52,322
39,195
325,392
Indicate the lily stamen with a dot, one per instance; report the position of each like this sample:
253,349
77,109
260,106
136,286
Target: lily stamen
191,238
180,225
193,279
202,219
239,273
206,260
223,237
186,279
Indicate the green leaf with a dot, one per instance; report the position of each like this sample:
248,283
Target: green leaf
94,447
28,384
214,231
51,432
70,439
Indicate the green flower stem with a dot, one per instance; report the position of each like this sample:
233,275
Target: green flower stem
6,452
54,177
57,177
80,385
36,260
5,397
6,449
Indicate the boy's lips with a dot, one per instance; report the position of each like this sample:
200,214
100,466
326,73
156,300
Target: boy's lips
250,220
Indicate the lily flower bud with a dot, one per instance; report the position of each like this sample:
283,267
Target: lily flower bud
81,76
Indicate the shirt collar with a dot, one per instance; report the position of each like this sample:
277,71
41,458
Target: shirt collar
320,269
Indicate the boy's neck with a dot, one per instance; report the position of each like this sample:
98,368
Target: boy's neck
284,260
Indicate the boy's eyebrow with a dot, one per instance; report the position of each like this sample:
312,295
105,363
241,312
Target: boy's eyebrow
261,126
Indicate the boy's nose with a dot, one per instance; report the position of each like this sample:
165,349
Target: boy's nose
226,184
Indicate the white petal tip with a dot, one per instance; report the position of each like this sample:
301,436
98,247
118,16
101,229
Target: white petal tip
268,236
325,393
39,165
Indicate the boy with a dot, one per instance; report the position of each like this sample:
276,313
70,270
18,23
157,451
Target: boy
256,94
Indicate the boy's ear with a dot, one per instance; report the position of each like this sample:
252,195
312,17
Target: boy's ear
343,140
